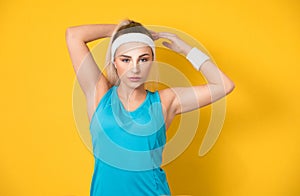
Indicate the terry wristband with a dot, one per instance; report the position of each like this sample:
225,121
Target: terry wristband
196,57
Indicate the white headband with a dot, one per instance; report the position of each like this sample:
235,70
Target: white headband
131,37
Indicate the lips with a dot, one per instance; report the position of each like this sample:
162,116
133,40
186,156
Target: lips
134,79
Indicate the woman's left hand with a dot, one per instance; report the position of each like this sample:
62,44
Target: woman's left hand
154,34
176,44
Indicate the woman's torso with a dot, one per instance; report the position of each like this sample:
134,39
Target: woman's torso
128,146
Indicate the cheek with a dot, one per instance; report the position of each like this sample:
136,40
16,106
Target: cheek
121,69
146,69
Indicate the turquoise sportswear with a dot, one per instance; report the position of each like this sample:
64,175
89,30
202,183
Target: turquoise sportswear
127,147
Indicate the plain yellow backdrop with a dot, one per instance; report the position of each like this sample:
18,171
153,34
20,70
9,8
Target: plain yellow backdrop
256,43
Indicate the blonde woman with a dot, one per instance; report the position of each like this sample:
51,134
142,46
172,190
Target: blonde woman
128,123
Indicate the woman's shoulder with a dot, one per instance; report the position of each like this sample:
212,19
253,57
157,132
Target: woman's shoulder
167,97
102,98
108,92
154,95
166,94
105,95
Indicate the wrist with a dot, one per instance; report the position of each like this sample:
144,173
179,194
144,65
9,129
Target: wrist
110,29
187,49
196,57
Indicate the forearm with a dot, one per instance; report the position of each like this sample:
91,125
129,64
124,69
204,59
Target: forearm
218,82
215,77
90,32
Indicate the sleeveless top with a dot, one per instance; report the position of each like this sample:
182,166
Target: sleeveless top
127,147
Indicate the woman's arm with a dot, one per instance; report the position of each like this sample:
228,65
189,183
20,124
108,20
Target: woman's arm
190,98
183,99
87,71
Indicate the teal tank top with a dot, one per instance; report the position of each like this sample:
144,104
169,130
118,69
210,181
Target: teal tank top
127,147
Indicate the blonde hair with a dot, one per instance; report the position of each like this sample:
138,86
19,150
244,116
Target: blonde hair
125,26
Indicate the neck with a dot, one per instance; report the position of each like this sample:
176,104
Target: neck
131,94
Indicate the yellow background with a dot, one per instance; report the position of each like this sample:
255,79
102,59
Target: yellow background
256,43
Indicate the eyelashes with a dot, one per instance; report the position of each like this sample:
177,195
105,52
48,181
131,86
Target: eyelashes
141,60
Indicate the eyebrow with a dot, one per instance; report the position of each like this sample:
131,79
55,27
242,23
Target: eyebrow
130,56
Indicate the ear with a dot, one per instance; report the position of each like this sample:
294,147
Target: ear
114,64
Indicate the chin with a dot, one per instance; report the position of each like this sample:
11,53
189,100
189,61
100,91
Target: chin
134,85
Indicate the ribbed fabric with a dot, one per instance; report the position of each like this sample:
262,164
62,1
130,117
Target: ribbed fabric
127,147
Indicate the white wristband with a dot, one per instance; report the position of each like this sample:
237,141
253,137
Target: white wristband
196,57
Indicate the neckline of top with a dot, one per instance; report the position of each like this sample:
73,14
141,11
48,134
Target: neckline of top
122,106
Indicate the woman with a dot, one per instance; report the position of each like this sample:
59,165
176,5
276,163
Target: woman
127,122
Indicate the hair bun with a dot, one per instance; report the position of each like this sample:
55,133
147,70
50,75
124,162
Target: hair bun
130,26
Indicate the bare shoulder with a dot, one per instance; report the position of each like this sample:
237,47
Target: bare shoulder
167,96
168,100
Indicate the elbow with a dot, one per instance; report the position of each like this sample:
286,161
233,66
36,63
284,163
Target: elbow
69,33
229,87
72,33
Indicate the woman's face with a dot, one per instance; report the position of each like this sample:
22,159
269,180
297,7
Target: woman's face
133,62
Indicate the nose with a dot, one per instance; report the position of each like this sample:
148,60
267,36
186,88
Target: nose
135,67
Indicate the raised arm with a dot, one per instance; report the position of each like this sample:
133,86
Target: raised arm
87,71
183,99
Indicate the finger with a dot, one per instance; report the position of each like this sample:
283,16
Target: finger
154,33
155,36
151,31
167,44
169,36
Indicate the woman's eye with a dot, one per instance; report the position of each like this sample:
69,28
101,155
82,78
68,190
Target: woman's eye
144,60
125,60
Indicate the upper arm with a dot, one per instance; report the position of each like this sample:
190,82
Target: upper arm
184,99
86,69
190,98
